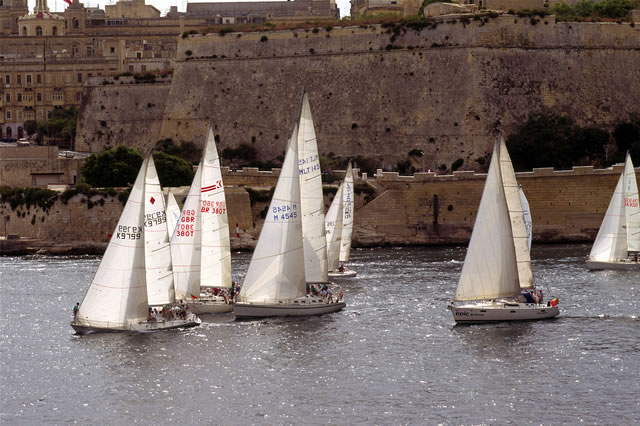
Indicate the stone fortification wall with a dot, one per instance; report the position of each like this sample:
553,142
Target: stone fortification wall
121,113
380,93
21,172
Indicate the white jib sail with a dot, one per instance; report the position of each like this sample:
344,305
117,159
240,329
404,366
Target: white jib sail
185,244
527,217
490,268
156,241
311,198
516,212
631,206
276,271
173,213
215,269
117,295
333,224
347,215
611,241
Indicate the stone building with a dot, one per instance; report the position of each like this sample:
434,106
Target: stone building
10,11
377,7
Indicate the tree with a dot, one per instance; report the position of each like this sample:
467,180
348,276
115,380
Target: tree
30,126
172,170
116,167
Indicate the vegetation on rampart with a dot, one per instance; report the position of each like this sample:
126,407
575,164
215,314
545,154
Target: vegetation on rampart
16,197
60,127
588,10
552,140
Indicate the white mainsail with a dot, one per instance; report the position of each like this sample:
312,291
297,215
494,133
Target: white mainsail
516,213
185,244
347,215
276,271
173,213
215,262
156,241
117,295
527,217
333,224
611,241
311,198
490,267
631,206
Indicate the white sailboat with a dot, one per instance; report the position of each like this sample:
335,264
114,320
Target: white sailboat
135,270
200,244
619,234
340,230
275,284
497,266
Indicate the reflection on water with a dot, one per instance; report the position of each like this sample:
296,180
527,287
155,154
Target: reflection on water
393,355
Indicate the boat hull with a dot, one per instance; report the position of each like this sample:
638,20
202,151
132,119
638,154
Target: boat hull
621,265
141,327
261,310
348,273
496,312
209,306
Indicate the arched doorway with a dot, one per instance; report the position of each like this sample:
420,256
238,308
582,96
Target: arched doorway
20,132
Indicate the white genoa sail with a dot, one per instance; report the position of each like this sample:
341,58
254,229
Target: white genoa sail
490,267
516,213
333,224
215,262
347,215
185,244
276,271
631,206
611,241
527,217
311,198
173,213
156,240
117,295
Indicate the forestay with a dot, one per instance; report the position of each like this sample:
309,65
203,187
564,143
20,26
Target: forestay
156,239
490,268
117,295
276,271
215,269
311,198
347,215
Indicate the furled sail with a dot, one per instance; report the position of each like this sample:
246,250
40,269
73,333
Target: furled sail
311,198
490,267
276,271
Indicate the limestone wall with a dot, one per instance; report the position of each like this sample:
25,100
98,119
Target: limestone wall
378,94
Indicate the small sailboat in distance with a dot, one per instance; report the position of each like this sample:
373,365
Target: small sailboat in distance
619,236
135,270
339,226
497,267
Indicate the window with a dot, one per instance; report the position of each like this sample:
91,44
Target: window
38,79
75,23
49,114
54,31
39,97
58,96
74,50
24,29
19,79
8,115
28,78
38,31
139,55
112,49
130,68
89,51
89,75
40,114
18,115
79,77
19,97
7,79
7,98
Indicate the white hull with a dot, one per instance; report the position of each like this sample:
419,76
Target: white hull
298,307
141,327
621,264
213,305
509,311
347,273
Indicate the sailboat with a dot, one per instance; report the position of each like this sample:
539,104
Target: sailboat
200,244
497,267
275,284
135,271
339,224
619,234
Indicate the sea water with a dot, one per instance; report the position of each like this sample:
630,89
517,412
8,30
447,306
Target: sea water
394,355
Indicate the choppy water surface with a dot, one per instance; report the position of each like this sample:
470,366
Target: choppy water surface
393,356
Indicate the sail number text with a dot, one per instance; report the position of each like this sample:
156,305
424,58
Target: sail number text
129,232
284,213
155,218
309,164
214,207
